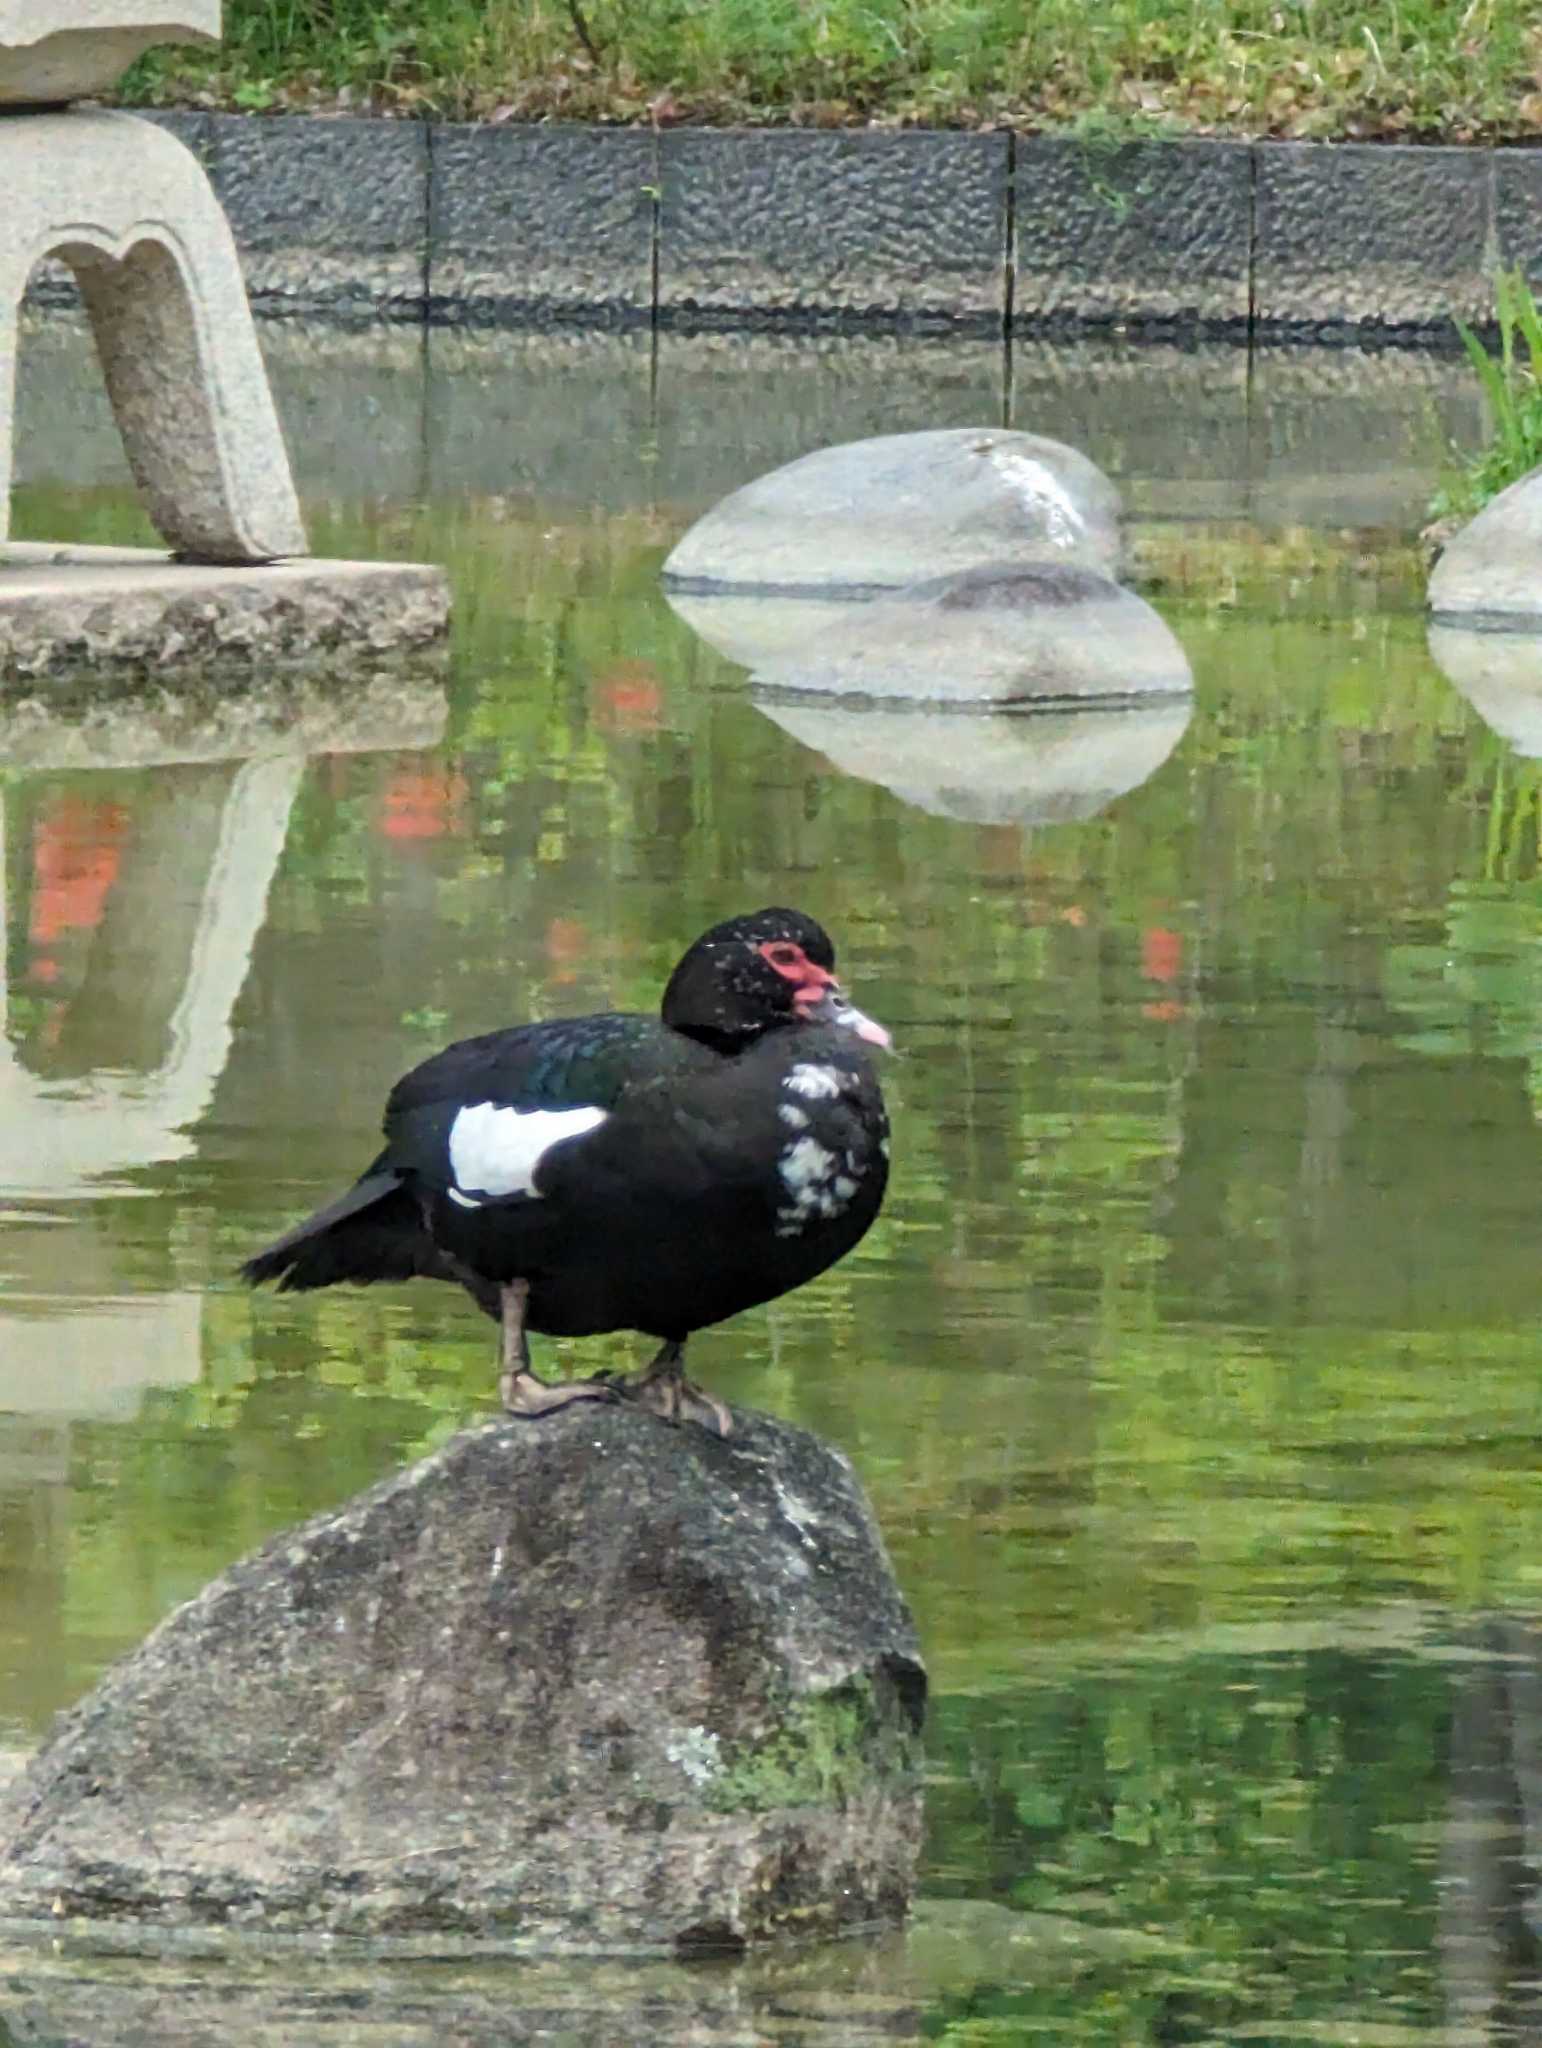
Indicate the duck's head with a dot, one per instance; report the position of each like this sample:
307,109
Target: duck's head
772,969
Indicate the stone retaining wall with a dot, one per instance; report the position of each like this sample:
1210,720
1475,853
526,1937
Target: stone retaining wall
544,226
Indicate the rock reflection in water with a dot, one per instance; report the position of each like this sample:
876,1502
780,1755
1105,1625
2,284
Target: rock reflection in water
1021,768
842,1995
1042,633
1500,675
1022,696
1490,1928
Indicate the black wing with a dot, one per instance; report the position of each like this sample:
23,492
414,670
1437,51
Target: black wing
376,1230
570,1063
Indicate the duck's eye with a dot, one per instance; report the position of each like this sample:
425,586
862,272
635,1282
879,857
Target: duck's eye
783,956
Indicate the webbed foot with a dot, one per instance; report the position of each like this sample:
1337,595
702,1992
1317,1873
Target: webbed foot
663,1389
523,1394
518,1388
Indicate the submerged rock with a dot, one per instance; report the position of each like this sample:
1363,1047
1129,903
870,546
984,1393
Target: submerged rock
592,1683
1492,569
1042,634
1038,768
882,513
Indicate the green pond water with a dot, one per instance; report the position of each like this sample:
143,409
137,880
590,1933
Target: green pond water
1193,1367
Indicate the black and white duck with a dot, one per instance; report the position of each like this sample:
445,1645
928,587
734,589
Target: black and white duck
626,1172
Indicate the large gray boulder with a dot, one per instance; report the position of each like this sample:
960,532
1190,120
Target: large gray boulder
899,508
1038,768
1037,634
1500,675
587,1683
1492,570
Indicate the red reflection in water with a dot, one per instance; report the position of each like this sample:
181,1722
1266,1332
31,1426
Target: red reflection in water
1161,953
629,698
1161,958
76,848
423,803
568,946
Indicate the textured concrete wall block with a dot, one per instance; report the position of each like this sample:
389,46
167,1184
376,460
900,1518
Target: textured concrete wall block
1144,233
785,227
193,131
1518,210
1370,235
331,217
542,225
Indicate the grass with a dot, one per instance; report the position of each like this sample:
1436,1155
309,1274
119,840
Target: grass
1383,69
1512,392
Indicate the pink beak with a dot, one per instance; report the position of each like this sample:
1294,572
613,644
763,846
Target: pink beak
829,1006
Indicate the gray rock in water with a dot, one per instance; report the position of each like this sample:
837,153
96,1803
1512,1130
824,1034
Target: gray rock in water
1500,675
1492,569
1042,634
592,1683
1038,768
883,513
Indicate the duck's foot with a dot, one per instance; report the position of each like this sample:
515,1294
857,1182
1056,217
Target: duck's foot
523,1394
518,1388
664,1390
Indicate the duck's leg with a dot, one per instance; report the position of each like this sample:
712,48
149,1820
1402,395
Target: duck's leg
664,1388
518,1388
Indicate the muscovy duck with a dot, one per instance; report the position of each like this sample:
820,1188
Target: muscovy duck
624,1172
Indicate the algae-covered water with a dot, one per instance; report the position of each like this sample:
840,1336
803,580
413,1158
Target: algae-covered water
1194,1366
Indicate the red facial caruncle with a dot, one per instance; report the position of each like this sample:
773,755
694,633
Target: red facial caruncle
794,965
817,994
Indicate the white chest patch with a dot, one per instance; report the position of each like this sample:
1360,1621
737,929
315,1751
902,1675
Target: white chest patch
496,1151
815,1186
813,1081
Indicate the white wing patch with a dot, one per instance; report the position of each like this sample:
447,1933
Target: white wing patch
496,1151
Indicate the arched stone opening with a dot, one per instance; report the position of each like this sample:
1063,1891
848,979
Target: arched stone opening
130,210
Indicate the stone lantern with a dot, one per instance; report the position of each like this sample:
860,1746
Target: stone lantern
130,211
132,214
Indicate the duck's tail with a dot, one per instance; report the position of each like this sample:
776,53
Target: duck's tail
373,1232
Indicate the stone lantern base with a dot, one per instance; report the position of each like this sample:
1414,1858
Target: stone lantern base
137,611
